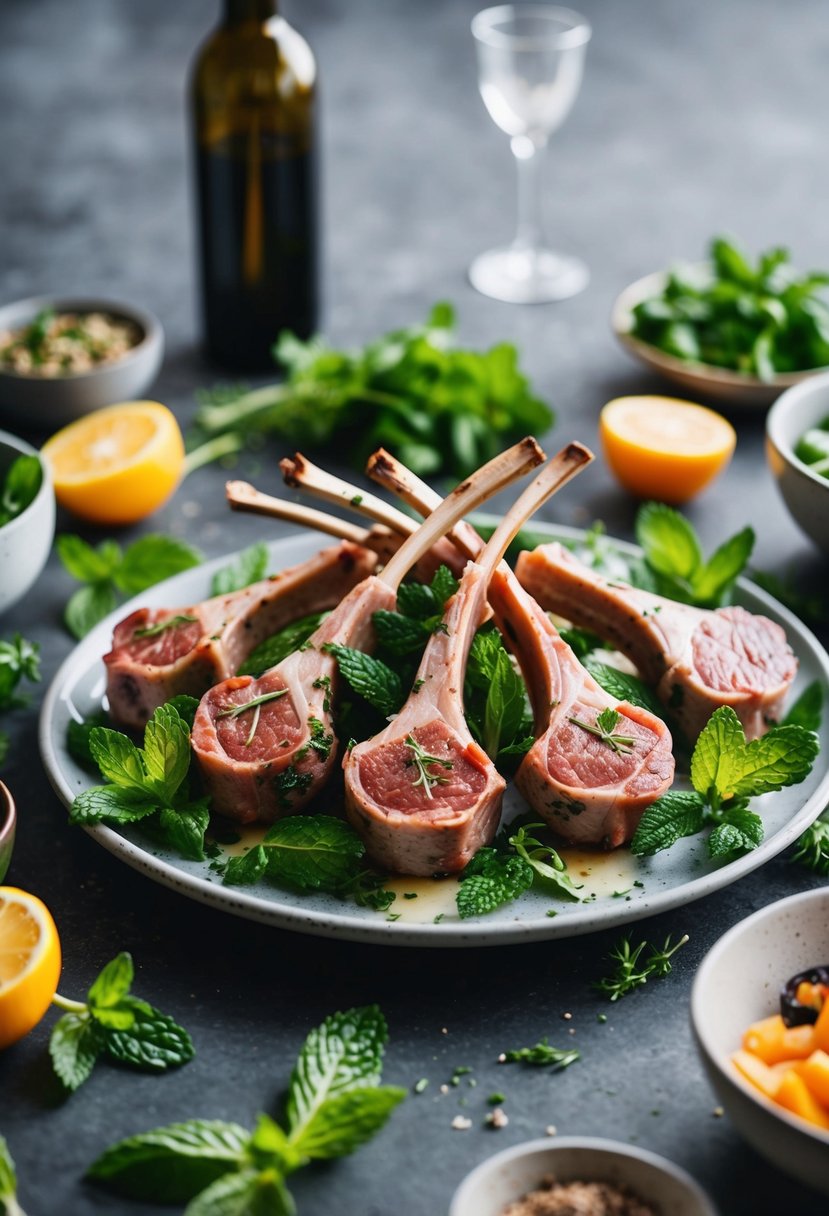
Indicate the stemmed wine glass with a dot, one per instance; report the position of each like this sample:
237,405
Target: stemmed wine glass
530,63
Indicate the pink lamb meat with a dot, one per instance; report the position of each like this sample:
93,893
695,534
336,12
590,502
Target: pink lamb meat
159,653
696,659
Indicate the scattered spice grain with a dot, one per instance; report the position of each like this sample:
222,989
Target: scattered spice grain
554,1198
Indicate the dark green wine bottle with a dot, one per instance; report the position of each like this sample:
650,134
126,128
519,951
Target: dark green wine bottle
253,98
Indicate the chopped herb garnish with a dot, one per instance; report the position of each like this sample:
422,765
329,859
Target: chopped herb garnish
604,729
542,1056
422,761
172,622
255,704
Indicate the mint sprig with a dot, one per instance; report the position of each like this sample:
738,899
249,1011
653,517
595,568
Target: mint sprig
113,1022
107,572
674,557
497,875
726,772
147,784
335,1103
8,1182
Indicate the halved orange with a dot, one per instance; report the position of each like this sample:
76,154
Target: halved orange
664,448
29,963
119,464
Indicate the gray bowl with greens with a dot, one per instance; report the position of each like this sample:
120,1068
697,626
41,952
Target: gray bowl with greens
27,517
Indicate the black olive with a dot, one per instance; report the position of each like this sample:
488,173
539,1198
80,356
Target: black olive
792,1011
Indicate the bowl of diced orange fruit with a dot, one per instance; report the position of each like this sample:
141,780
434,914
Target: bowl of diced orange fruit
760,1015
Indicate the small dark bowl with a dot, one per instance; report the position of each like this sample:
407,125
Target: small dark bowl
51,402
8,824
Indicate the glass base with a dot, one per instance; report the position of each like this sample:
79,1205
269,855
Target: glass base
527,276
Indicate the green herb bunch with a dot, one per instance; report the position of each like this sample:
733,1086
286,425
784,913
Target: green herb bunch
19,660
441,409
19,487
335,1103
761,319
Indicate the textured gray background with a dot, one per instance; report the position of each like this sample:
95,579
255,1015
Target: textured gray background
693,119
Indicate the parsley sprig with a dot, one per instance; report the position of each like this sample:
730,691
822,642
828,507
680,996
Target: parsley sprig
635,965
114,1023
335,1103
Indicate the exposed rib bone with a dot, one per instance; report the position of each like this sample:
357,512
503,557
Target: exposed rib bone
242,496
415,818
277,766
558,776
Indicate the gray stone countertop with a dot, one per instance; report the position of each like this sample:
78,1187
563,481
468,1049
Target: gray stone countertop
693,119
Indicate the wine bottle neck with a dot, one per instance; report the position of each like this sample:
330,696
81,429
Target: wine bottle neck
236,12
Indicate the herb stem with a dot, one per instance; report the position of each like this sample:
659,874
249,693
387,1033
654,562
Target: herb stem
221,445
63,1002
621,744
255,704
422,760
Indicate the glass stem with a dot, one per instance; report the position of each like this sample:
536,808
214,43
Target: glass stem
530,233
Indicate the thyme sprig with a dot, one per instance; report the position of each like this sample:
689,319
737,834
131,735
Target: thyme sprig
255,704
422,760
635,965
604,728
172,622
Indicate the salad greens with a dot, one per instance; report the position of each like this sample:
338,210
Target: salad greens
114,1023
335,1104
19,487
443,409
759,319
19,660
813,448
107,570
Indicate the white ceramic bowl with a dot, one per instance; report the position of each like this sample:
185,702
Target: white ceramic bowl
48,403
508,1175
805,493
737,984
702,379
25,542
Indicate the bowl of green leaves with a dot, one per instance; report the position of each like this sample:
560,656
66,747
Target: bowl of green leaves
27,517
797,449
729,328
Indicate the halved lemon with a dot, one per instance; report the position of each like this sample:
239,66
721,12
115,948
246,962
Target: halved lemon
29,963
664,448
119,464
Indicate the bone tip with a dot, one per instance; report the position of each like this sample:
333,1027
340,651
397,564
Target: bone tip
236,491
578,452
379,460
291,468
533,449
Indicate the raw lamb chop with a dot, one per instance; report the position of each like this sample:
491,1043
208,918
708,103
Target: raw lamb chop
159,653
266,746
423,794
588,789
697,659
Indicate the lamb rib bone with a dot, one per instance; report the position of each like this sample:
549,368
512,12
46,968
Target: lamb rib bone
559,775
423,794
696,658
160,653
273,767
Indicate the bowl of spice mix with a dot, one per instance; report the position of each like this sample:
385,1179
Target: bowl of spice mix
579,1174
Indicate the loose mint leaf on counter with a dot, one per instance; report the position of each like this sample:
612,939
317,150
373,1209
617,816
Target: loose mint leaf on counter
341,1124
250,566
171,1164
342,1054
249,1193
112,1022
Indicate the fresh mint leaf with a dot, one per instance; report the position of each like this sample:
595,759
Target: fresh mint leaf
544,860
717,758
399,634
166,751
153,1042
171,1164
676,814
372,679
113,983
443,586
739,831
77,739
248,1193
418,601
183,828
491,879
74,1045
152,559
119,760
110,804
20,487
623,686
343,1122
582,641
721,570
251,566
495,698
670,543
19,660
276,648
185,707
87,606
86,564
783,756
807,710
344,1053
310,852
